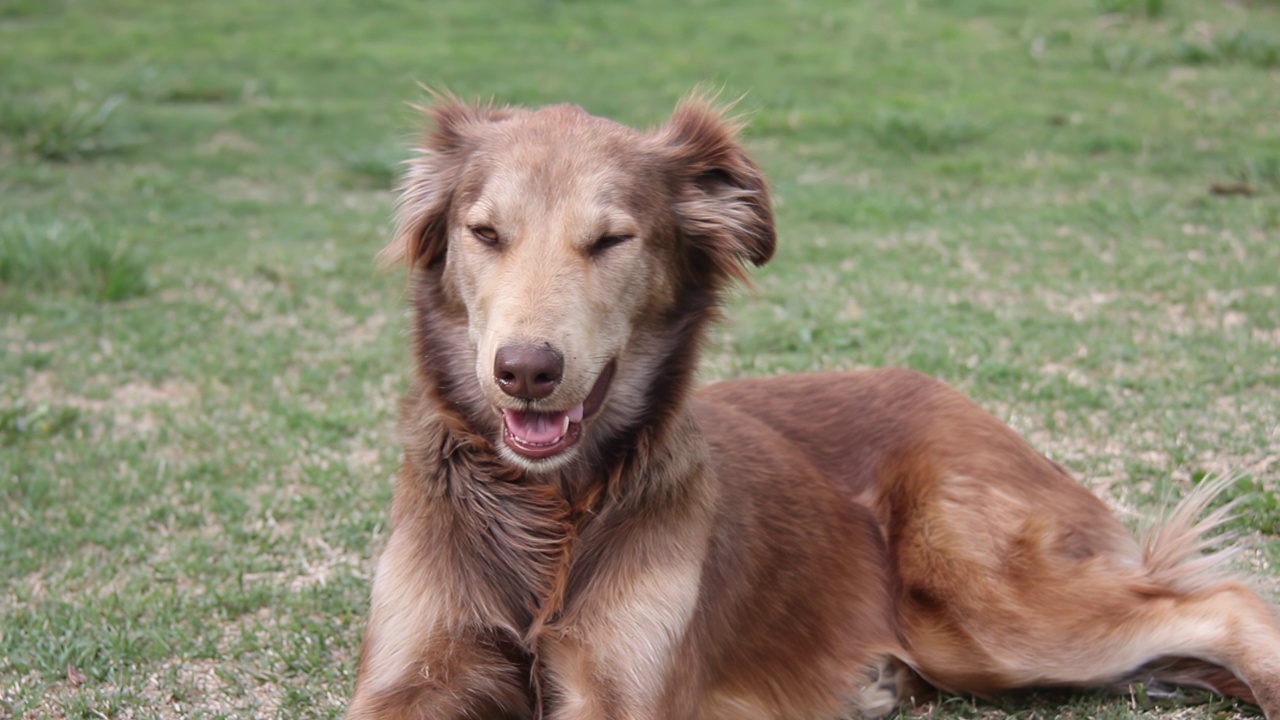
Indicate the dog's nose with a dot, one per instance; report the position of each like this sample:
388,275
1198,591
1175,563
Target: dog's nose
528,371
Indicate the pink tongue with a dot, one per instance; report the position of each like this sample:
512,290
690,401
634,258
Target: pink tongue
535,427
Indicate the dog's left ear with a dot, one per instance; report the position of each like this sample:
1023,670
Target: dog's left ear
722,200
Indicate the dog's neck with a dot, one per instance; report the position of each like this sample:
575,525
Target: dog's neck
528,541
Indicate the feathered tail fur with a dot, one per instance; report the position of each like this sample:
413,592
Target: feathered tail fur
1183,549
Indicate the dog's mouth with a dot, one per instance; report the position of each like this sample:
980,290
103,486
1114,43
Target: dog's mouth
538,435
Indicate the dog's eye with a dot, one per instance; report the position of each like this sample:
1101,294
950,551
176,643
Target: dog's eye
486,235
607,242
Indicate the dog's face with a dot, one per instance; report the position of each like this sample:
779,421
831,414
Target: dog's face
564,242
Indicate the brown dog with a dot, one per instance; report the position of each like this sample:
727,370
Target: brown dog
578,534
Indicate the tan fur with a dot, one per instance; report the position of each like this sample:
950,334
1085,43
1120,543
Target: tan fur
793,547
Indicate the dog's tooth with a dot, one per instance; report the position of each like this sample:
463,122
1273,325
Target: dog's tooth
565,428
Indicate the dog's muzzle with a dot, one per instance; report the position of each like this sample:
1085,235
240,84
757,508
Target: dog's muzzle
538,435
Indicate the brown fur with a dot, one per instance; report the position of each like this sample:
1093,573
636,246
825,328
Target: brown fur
791,547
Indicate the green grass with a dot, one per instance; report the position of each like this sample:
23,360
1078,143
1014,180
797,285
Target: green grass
1134,8
923,132
56,257
199,365
65,129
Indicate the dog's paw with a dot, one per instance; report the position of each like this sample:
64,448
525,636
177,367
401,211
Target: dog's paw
878,694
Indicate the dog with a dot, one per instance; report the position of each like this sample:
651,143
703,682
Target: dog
577,533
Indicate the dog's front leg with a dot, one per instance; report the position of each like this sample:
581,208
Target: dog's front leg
423,657
631,655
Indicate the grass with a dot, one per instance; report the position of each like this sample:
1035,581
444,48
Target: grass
65,129
57,257
1262,50
1259,170
1135,8
199,365
923,132
21,421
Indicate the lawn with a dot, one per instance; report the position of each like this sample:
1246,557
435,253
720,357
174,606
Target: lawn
1070,209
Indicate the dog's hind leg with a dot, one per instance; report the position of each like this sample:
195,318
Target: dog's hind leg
1223,638
1241,656
1225,628
1008,585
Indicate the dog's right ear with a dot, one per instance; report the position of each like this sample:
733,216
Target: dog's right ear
430,182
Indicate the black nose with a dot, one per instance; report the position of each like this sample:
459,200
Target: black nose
528,371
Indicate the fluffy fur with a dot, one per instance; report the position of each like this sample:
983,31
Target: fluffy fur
789,547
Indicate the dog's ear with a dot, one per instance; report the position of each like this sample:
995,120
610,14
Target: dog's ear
431,180
722,200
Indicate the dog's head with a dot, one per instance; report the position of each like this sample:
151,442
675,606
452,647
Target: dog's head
567,246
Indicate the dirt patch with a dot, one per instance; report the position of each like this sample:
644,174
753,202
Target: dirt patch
44,386
225,140
1269,336
129,406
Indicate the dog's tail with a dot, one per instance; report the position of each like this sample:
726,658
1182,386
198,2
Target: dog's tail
1184,549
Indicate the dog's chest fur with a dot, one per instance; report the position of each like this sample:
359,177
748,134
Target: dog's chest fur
535,556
